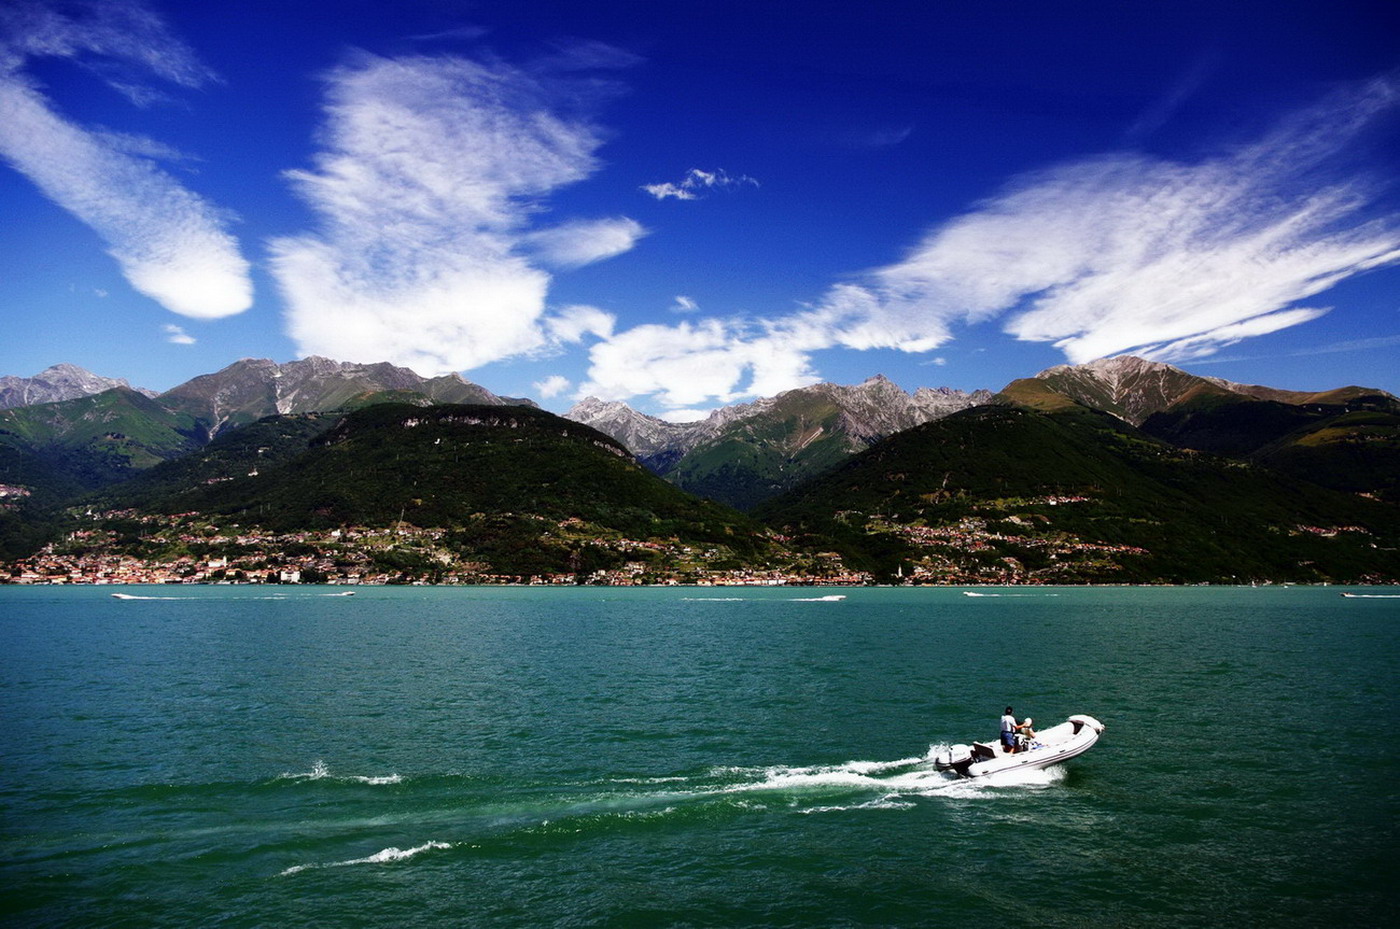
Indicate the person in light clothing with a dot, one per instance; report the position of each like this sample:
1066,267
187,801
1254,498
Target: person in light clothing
1026,732
1008,731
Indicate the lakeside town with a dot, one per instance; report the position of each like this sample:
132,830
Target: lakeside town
183,549
999,548
188,551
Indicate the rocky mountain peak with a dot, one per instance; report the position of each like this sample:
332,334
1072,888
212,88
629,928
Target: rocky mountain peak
1129,387
57,383
642,434
252,388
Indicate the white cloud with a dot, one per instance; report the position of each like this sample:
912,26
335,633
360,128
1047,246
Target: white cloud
171,244
1356,345
121,33
572,323
433,168
695,183
176,335
684,416
1112,254
691,363
552,386
583,242
684,304
666,190
1129,253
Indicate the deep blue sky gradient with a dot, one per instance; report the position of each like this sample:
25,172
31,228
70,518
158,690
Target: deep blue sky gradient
863,127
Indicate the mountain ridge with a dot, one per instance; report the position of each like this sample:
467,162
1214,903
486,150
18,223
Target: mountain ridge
57,383
1134,389
1050,482
743,453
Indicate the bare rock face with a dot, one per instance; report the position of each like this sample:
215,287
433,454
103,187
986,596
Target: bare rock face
644,435
1129,387
54,384
1133,388
252,388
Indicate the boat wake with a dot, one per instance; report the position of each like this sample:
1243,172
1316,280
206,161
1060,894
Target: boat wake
383,856
829,598
978,593
321,772
488,816
206,599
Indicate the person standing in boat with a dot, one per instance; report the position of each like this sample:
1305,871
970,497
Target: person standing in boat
1008,731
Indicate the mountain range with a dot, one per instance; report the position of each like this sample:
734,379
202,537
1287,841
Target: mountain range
109,431
744,454
1121,469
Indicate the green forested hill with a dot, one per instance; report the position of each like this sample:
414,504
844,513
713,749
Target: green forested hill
437,465
514,487
233,454
1017,494
103,438
1352,444
53,452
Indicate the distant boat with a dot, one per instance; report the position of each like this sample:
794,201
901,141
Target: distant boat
1372,596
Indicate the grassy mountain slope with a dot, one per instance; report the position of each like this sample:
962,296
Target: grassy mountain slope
1007,493
1351,444
103,438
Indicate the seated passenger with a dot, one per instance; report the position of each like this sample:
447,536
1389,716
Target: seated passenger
1024,735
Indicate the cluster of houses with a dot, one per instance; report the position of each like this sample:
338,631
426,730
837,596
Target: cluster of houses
187,551
973,552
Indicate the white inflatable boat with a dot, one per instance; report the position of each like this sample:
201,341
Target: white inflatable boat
1074,736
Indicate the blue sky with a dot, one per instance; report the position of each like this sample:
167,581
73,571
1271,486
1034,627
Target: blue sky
684,206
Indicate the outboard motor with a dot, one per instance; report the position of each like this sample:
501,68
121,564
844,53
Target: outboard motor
956,758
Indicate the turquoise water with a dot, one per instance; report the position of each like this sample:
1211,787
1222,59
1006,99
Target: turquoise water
601,757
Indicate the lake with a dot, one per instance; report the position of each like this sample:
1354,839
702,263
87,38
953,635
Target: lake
281,756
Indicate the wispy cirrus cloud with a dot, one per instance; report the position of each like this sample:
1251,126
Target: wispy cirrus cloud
695,183
172,245
426,250
1117,253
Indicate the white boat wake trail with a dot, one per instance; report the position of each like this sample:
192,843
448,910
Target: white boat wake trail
806,790
884,784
